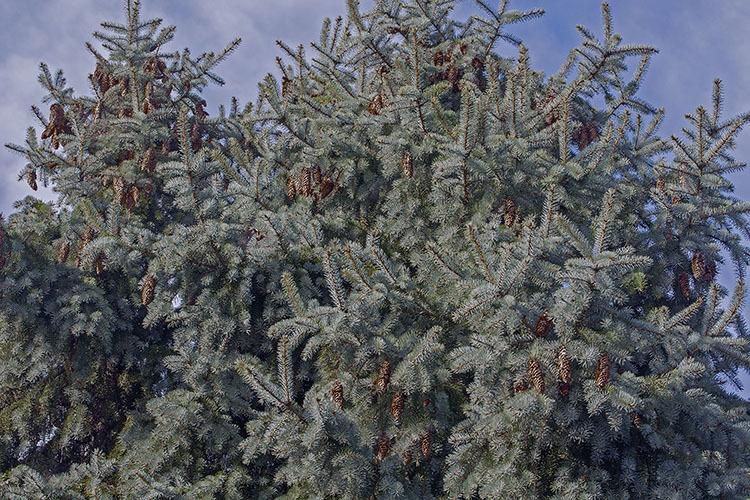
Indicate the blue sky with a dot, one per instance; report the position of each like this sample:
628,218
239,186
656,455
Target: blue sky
698,41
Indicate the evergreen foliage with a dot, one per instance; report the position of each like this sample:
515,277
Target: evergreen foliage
412,269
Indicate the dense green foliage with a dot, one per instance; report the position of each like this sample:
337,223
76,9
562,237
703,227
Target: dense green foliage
413,269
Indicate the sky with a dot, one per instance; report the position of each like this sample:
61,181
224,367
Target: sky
698,41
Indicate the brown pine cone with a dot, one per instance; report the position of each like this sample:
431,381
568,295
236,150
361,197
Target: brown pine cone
637,420
147,291
377,104
88,236
31,179
326,187
439,58
710,272
661,184
407,164
536,375
383,447
543,325
519,386
698,265
454,75
397,406
563,370
120,189
291,188
602,370
384,376
585,135
62,252
195,137
406,458
337,395
509,217
425,443
317,174
148,163
305,181
683,283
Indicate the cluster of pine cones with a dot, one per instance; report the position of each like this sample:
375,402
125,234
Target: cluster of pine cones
450,71
702,271
304,184
398,403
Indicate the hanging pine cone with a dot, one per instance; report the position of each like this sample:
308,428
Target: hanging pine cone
509,217
101,78
698,265
305,181
383,447
286,85
156,67
317,174
337,395
710,272
683,283
407,164
440,58
377,104
148,163
661,184
291,188
57,124
326,187
426,402
536,375
637,420
199,111
426,443
120,189
133,197
585,135
406,458
384,376
563,370
62,252
519,386
31,179
88,237
602,370
543,325
454,75
99,263
397,406
147,291
195,137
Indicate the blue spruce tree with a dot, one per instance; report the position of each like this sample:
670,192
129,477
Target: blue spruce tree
412,269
